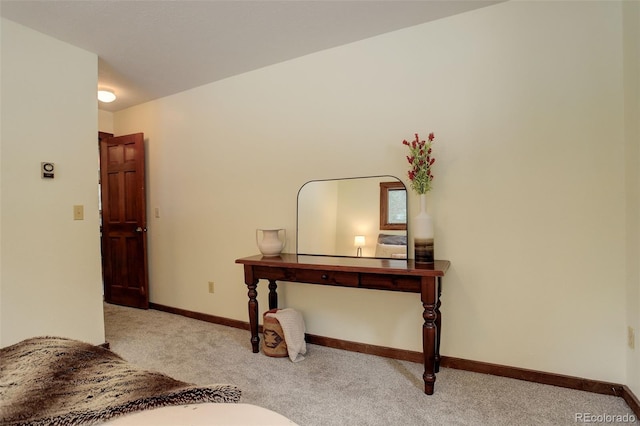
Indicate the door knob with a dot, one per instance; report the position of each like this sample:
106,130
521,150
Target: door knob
139,229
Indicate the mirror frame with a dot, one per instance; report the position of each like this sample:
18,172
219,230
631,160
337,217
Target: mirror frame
396,184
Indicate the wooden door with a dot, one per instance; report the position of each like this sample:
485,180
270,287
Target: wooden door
124,221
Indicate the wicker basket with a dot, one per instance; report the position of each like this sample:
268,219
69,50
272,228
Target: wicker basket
273,343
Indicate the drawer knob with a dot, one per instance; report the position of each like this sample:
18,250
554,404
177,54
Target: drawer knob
325,276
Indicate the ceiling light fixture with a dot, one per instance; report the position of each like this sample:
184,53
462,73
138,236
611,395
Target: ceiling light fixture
106,96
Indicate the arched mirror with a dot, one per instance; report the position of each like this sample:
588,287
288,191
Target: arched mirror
364,216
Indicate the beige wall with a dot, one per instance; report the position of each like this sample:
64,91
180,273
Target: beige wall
105,121
50,264
527,103
317,207
632,155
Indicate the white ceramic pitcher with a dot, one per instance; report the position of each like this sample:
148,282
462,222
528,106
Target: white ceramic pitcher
271,243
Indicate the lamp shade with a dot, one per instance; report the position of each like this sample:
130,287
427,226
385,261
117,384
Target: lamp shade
358,241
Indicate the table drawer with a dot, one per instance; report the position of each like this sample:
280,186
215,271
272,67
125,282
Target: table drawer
391,282
345,279
271,273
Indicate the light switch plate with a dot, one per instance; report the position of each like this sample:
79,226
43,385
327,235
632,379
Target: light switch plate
78,212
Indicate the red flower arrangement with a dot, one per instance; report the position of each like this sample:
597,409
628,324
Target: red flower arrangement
421,161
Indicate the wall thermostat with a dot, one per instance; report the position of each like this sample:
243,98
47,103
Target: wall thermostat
47,170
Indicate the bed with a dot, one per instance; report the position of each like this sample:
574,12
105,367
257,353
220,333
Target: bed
391,246
54,380
204,415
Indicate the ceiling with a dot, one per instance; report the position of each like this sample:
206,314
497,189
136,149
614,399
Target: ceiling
148,49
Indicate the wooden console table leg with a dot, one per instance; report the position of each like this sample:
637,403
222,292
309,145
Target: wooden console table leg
252,285
438,322
429,331
273,294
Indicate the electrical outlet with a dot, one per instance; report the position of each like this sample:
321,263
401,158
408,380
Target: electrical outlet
631,337
210,286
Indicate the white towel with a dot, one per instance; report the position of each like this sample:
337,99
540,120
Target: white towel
293,328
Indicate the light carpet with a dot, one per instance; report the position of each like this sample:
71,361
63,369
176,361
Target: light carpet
335,387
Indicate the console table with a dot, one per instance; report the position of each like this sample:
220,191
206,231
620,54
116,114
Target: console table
360,272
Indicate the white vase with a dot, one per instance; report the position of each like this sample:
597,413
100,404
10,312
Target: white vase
272,242
423,234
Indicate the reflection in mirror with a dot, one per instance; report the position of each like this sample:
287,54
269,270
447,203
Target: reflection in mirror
393,206
332,213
